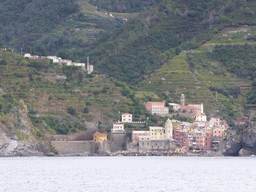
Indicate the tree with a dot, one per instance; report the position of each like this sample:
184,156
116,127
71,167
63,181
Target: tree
43,52
62,54
71,111
3,62
86,110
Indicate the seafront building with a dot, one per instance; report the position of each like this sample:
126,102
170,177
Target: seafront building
100,137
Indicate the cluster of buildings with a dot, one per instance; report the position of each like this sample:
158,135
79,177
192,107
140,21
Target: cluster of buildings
180,135
174,135
195,111
60,61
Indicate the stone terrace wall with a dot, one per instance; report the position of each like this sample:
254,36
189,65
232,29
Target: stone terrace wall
80,147
73,147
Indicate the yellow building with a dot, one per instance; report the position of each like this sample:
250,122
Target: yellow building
99,137
157,132
175,125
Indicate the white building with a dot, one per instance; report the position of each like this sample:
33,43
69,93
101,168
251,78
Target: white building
201,117
28,55
176,107
126,118
168,129
118,128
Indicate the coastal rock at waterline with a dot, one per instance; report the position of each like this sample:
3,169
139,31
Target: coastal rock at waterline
242,144
10,147
244,152
233,144
249,138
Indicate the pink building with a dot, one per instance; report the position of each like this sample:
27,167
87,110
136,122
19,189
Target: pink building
207,140
218,132
157,108
215,121
241,121
190,109
137,134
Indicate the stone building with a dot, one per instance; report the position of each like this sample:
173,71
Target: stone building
182,100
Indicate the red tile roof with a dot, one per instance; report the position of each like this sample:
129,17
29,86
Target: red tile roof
103,134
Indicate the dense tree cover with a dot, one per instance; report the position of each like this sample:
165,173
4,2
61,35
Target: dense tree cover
60,126
251,95
123,6
25,21
239,59
160,32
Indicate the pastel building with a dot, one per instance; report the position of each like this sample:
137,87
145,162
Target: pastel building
190,109
208,140
215,121
137,134
217,132
176,107
99,137
201,117
118,128
157,132
157,108
126,118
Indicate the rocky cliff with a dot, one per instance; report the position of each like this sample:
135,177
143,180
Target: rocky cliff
241,141
18,136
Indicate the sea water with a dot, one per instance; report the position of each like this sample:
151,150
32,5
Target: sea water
150,174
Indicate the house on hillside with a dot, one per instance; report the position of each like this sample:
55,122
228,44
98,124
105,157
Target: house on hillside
118,128
242,121
157,108
126,118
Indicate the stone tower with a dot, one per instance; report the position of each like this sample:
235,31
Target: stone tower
88,65
182,100
168,129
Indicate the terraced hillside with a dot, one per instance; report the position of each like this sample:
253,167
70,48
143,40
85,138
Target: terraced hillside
64,96
175,78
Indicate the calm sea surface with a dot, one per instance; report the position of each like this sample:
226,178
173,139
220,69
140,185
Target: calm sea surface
128,174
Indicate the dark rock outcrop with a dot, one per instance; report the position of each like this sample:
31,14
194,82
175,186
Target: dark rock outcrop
241,141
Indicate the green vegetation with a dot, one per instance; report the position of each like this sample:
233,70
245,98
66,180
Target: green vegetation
153,50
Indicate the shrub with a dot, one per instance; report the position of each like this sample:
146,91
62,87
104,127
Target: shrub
88,103
96,92
32,112
71,111
3,62
86,110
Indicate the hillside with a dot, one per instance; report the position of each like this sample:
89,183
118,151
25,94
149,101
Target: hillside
66,98
160,49
161,31
51,26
